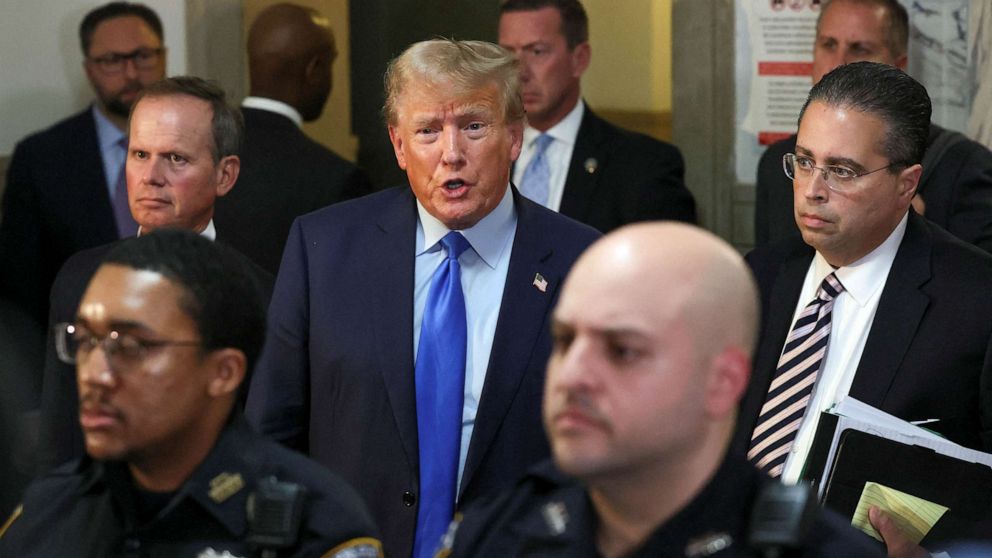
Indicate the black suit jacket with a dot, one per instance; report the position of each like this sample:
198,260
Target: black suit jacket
958,193
336,378
284,174
928,353
61,437
55,204
617,177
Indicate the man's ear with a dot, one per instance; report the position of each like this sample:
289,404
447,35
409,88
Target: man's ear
730,371
581,56
228,371
909,179
397,140
227,174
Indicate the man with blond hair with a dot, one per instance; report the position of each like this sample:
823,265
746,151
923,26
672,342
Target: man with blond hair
407,332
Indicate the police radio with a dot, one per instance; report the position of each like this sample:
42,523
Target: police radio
275,511
781,517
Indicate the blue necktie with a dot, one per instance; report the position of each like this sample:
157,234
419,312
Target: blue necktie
440,384
126,226
537,175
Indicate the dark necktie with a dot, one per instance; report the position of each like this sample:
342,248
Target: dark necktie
792,386
440,384
537,176
126,226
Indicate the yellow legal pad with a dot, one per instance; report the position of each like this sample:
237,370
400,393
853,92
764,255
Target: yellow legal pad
915,516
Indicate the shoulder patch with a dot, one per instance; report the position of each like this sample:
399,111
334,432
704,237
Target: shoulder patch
362,547
10,520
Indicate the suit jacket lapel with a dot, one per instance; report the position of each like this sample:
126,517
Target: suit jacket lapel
391,284
580,183
522,316
900,309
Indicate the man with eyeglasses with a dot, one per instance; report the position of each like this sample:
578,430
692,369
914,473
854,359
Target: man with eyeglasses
65,185
955,189
165,335
878,303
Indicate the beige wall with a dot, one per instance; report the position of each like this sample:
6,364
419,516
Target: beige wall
333,129
631,55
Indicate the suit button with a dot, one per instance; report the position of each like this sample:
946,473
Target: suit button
409,498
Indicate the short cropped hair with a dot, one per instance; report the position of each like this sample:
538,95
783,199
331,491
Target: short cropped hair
574,21
115,10
887,93
218,294
466,65
227,125
897,23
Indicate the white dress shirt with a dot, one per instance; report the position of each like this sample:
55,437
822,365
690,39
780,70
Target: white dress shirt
483,274
558,153
272,105
850,323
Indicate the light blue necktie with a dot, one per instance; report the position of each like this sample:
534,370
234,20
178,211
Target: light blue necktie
440,384
537,175
126,226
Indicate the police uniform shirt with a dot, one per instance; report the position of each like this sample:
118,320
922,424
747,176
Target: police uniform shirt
92,508
550,515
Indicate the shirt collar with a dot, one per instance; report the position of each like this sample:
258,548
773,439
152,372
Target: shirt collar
107,133
865,277
566,130
272,105
210,232
487,237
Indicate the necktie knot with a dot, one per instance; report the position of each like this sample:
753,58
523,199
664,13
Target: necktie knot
541,144
830,288
455,243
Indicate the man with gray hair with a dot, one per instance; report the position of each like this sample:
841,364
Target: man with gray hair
183,153
407,333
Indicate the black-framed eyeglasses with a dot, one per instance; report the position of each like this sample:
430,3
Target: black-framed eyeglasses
837,177
124,351
143,58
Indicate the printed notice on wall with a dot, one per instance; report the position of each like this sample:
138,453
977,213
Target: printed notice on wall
774,63
774,55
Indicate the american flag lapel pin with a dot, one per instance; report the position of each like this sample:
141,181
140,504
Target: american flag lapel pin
540,282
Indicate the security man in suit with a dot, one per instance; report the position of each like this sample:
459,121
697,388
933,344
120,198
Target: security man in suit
652,347
955,189
54,208
408,328
184,147
164,336
572,161
877,303
285,174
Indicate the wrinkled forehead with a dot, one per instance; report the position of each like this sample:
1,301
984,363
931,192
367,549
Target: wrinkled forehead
447,96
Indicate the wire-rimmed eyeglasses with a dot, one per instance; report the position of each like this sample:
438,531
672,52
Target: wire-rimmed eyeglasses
123,351
837,177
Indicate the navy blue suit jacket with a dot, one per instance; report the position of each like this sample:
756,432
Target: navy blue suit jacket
929,350
617,177
55,204
336,377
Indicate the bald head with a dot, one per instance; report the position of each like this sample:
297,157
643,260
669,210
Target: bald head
653,336
290,53
680,271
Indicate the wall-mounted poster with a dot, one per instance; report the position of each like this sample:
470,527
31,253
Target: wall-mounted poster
774,55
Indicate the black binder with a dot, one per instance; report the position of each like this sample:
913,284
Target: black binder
964,487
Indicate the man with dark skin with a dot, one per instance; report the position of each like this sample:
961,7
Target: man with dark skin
285,174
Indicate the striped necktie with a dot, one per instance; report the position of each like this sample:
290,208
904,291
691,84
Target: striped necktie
795,377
